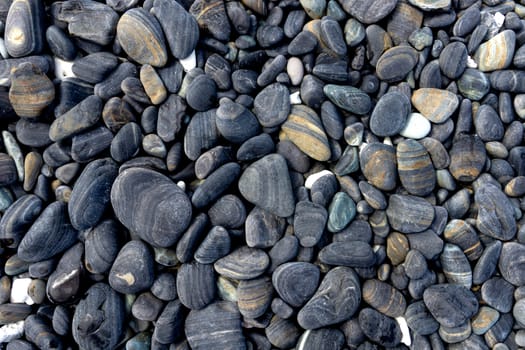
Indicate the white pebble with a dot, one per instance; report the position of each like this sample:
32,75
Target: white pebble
417,127
310,180
388,141
11,331
295,98
3,49
63,69
19,291
182,185
499,18
405,339
189,62
295,70
471,63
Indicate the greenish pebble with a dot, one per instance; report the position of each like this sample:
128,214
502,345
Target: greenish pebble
354,32
335,11
314,8
6,198
421,38
15,266
227,289
341,211
473,84
141,341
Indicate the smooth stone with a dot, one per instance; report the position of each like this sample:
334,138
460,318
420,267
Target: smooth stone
219,69
416,127
403,21
169,118
453,60
126,143
296,282
484,320
170,323
212,17
266,183
369,12
419,319
216,245
98,320
132,270
342,284
427,242
179,26
256,148
473,84
354,32
302,43
135,189
63,284
153,85
341,211
409,214
395,63
384,298
498,293
32,133
31,90
518,311
390,114
271,106
508,80
487,263
309,222
378,164
415,168
201,93
488,124
196,285
18,218
348,98
322,339
86,146
95,67
450,304
38,331
223,331
263,229
254,296
456,266
434,104
24,28
467,158
235,122
495,213
102,244
346,253
496,53
201,134
304,128
137,26
9,172
421,38
91,194
111,85
295,70
511,263
228,212
243,263
81,117
49,235
314,9
14,151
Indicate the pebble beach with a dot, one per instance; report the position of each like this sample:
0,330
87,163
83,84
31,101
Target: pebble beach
262,174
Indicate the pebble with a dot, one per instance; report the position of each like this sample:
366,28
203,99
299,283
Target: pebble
496,53
342,304
272,104
416,127
434,104
453,60
136,189
132,270
395,63
409,214
511,263
296,282
450,304
415,168
390,114
369,12
303,127
244,263
378,163
348,98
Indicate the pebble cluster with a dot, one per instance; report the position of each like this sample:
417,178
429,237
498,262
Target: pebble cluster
262,174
